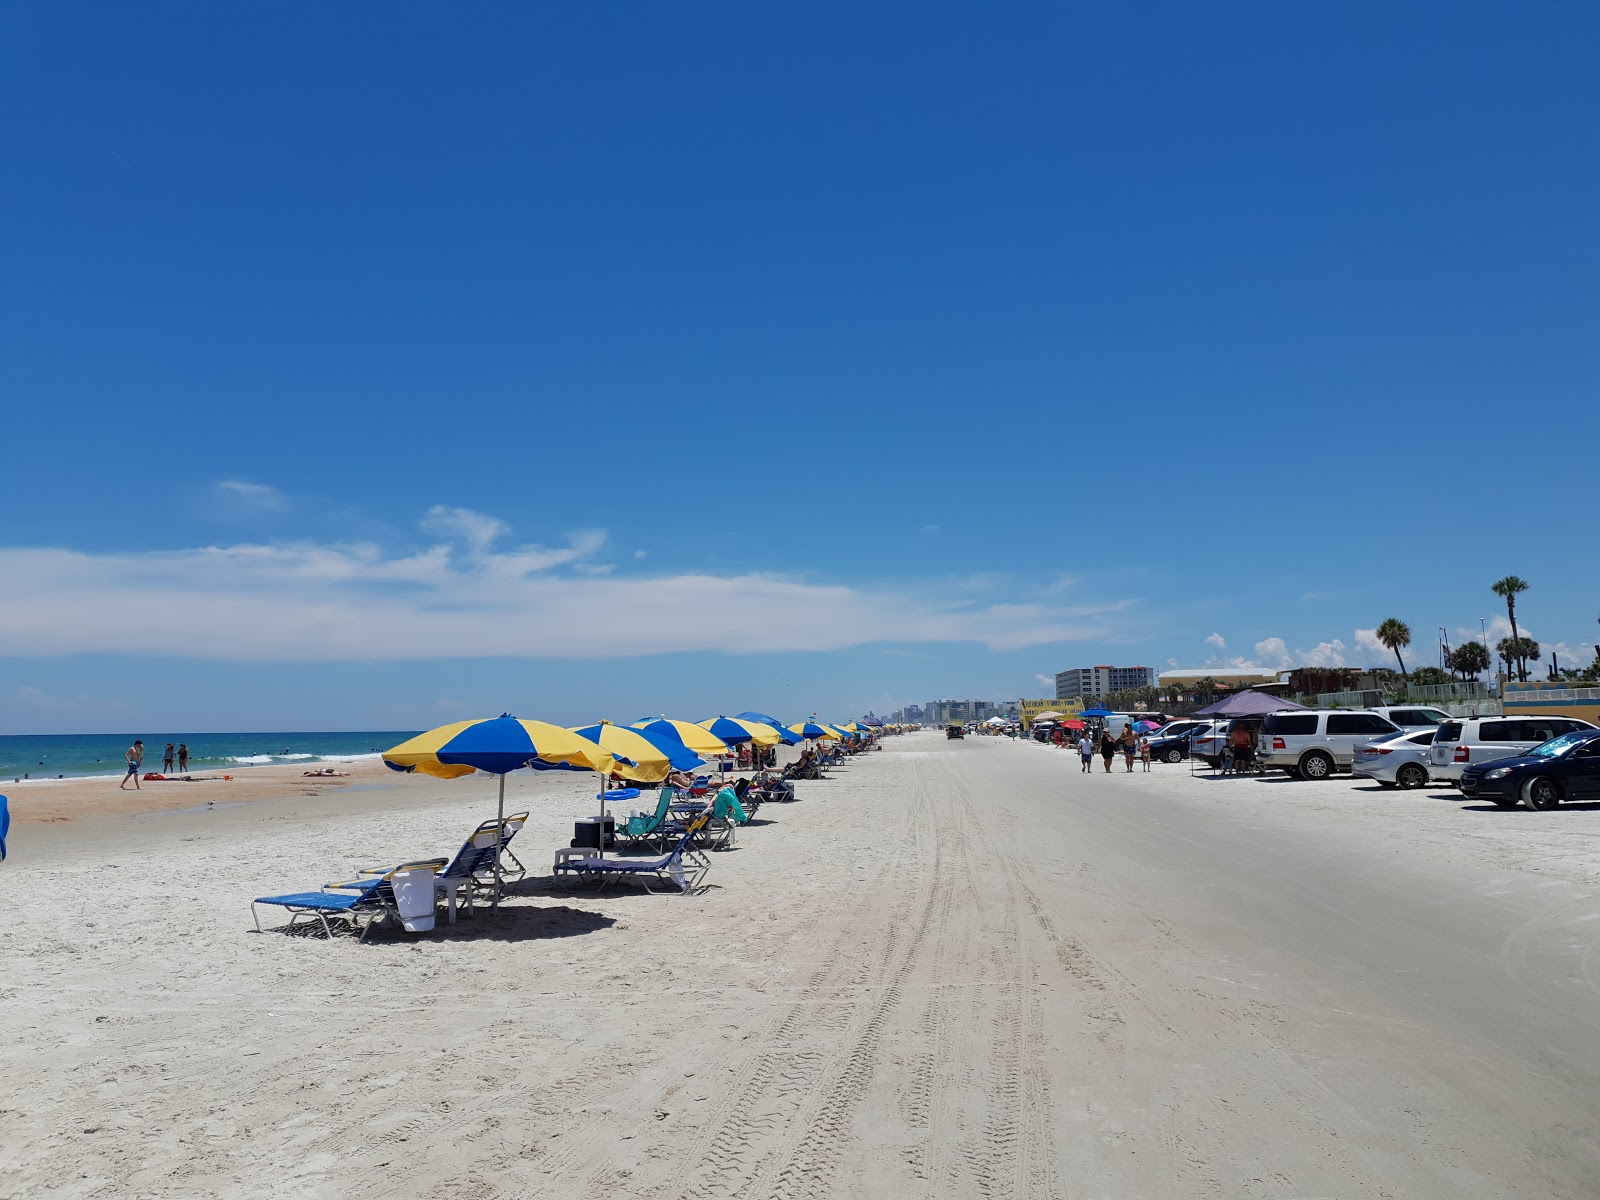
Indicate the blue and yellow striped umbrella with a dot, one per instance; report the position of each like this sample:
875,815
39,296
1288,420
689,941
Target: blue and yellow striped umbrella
810,729
495,745
733,731
641,756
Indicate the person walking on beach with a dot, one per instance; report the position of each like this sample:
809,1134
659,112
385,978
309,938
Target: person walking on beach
166,760
1144,750
1126,741
1086,752
1108,748
135,756
183,757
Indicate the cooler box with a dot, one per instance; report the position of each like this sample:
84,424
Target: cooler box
588,831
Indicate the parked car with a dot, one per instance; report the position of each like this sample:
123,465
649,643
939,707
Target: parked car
1461,743
955,731
1170,743
1411,716
1566,768
1314,743
1208,742
1397,761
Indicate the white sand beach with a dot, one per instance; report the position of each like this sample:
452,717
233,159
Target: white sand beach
954,970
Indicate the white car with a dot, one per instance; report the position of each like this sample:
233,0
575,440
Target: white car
1400,761
1460,742
1311,743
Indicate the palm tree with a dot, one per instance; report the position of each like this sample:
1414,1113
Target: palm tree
1508,589
1470,658
1521,651
1395,633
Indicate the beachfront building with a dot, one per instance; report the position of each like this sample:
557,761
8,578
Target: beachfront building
1102,681
1222,678
959,712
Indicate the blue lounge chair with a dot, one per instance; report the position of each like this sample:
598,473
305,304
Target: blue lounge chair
472,871
370,897
644,828
682,868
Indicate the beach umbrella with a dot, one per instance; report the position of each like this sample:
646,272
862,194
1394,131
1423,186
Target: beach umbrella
789,737
1073,725
701,741
733,731
810,729
641,756
1095,712
1145,726
497,746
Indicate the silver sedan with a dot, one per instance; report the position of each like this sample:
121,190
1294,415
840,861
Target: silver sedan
1398,761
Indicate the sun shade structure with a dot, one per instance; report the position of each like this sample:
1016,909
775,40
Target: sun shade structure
733,731
1246,704
701,741
640,751
496,745
1095,712
788,736
810,729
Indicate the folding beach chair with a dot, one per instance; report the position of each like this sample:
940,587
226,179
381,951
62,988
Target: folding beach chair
681,869
371,897
643,829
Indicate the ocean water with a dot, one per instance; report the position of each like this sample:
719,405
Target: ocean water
75,755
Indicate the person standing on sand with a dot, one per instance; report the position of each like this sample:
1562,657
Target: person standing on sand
1126,741
1108,747
166,760
1086,752
183,757
135,756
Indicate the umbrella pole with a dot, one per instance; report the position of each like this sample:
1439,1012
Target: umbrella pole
600,830
499,843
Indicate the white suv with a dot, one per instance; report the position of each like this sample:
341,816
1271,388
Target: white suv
1314,743
1458,743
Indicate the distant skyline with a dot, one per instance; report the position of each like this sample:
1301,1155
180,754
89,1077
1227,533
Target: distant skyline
372,367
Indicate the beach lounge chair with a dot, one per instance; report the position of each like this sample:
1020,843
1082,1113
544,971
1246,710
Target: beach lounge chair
370,897
681,869
472,871
644,828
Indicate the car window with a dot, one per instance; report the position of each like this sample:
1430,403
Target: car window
1290,723
1494,731
1359,723
1425,738
1449,731
1567,725
1408,716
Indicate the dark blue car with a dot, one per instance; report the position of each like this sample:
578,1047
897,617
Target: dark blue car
1564,768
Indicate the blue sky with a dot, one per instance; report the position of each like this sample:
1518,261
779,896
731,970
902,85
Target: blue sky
374,365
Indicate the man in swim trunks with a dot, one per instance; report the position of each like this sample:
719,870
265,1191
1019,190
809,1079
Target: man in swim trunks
135,756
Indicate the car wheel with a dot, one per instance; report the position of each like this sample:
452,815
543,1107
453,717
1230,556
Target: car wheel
1173,755
1411,776
1316,765
1541,793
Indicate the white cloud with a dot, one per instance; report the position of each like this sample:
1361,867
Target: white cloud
256,495
1272,652
1217,640
1324,654
465,598
641,553
1045,680
1367,642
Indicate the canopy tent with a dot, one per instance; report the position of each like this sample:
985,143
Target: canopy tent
1246,704
1094,712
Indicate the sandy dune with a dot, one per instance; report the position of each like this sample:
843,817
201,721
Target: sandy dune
954,970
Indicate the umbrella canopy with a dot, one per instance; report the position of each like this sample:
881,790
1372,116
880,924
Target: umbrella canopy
1145,726
787,737
1073,725
1246,704
733,731
495,745
810,729
1096,712
701,741
648,758
1049,714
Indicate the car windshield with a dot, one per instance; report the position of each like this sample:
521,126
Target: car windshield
1557,746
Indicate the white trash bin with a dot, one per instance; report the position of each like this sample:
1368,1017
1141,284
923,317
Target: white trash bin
414,898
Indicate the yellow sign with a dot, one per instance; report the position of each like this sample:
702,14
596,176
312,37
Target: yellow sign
1030,709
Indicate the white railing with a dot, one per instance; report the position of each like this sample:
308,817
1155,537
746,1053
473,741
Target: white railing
1570,695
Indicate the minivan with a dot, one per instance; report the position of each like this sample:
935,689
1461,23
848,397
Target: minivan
1314,743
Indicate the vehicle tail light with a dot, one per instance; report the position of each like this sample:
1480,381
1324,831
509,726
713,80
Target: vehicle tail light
1379,750
1278,744
1462,754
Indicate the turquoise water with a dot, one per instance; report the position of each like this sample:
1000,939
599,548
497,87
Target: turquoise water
45,756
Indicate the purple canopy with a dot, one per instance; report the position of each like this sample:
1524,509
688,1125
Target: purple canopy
1246,704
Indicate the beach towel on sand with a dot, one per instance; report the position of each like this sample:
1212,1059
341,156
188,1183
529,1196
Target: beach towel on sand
5,826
